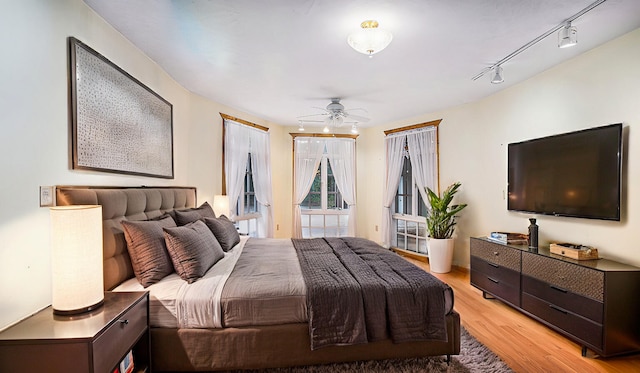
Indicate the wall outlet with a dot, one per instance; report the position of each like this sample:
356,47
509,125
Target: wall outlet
46,196
277,227
376,228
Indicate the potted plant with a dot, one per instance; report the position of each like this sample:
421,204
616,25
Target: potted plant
441,222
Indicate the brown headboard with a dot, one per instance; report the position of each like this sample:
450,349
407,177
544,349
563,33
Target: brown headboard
124,203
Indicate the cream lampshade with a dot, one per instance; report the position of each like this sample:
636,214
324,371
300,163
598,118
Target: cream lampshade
76,259
221,205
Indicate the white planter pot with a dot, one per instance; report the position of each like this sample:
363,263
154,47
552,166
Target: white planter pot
440,254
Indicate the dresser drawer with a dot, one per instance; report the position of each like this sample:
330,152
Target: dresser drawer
497,254
563,298
496,271
509,292
577,279
575,325
115,342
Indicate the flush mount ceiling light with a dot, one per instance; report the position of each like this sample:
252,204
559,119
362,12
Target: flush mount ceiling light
369,39
567,37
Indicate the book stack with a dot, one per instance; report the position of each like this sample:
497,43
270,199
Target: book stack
508,238
126,365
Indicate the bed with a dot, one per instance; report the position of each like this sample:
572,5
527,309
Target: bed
284,329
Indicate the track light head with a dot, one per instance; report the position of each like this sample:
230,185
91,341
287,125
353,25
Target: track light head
497,75
567,36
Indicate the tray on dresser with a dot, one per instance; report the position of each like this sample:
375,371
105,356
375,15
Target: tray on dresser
573,251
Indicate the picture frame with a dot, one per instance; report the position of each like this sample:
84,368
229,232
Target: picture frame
119,125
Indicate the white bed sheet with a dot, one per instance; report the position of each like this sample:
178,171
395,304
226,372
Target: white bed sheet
173,303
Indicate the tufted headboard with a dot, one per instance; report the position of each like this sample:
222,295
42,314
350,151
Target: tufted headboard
124,203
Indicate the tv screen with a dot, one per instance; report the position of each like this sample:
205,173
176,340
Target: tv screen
575,174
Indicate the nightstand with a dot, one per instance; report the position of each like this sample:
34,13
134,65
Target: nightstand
94,342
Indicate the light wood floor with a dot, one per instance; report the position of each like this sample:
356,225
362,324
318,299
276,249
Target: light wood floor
523,343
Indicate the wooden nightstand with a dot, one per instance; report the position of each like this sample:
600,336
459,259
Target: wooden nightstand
95,342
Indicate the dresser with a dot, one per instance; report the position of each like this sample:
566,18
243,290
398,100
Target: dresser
94,342
596,303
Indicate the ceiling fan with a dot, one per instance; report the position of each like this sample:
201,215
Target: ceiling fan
334,115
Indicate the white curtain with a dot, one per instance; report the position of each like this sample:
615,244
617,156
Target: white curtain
308,154
422,152
394,147
236,153
341,155
261,168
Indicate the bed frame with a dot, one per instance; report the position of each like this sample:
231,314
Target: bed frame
189,350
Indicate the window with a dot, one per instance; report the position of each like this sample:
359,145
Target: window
324,212
411,165
410,229
247,175
247,209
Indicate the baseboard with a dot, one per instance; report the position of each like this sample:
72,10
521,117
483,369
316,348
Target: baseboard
424,258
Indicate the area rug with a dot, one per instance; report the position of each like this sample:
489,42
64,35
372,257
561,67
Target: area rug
474,357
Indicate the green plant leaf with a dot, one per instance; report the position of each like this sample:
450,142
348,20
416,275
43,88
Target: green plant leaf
441,219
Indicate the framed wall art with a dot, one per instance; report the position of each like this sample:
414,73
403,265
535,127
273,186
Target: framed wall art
118,124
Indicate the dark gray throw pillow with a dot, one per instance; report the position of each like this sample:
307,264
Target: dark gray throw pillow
184,217
193,250
224,230
147,250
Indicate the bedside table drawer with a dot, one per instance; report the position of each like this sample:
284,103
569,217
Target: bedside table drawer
117,339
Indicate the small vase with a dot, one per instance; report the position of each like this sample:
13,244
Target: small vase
533,234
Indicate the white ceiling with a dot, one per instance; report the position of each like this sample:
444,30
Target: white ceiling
279,59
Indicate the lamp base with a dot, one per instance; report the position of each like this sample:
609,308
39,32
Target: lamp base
79,310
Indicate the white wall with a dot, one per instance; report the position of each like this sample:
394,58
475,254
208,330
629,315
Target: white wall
596,88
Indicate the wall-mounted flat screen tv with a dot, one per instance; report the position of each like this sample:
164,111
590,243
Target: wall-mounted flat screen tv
576,174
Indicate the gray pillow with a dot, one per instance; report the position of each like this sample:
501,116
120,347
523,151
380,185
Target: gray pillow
224,230
184,217
193,250
147,250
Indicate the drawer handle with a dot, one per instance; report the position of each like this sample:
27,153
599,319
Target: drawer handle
558,288
558,309
124,322
494,265
494,281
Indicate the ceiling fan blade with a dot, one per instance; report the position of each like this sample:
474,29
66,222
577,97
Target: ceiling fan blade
310,121
313,115
357,117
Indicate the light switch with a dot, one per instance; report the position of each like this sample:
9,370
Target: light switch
46,196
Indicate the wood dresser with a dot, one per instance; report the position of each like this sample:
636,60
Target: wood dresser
94,342
593,302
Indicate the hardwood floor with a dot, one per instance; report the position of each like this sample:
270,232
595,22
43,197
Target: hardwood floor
523,343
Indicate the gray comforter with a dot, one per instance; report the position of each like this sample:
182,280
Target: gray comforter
358,292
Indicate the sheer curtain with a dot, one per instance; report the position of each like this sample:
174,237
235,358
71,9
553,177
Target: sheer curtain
261,168
341,154
422,152
394,146
308,154
236,153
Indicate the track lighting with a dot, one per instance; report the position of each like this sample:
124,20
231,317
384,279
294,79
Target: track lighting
497,75
325,129
567,36
301,127
354,128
